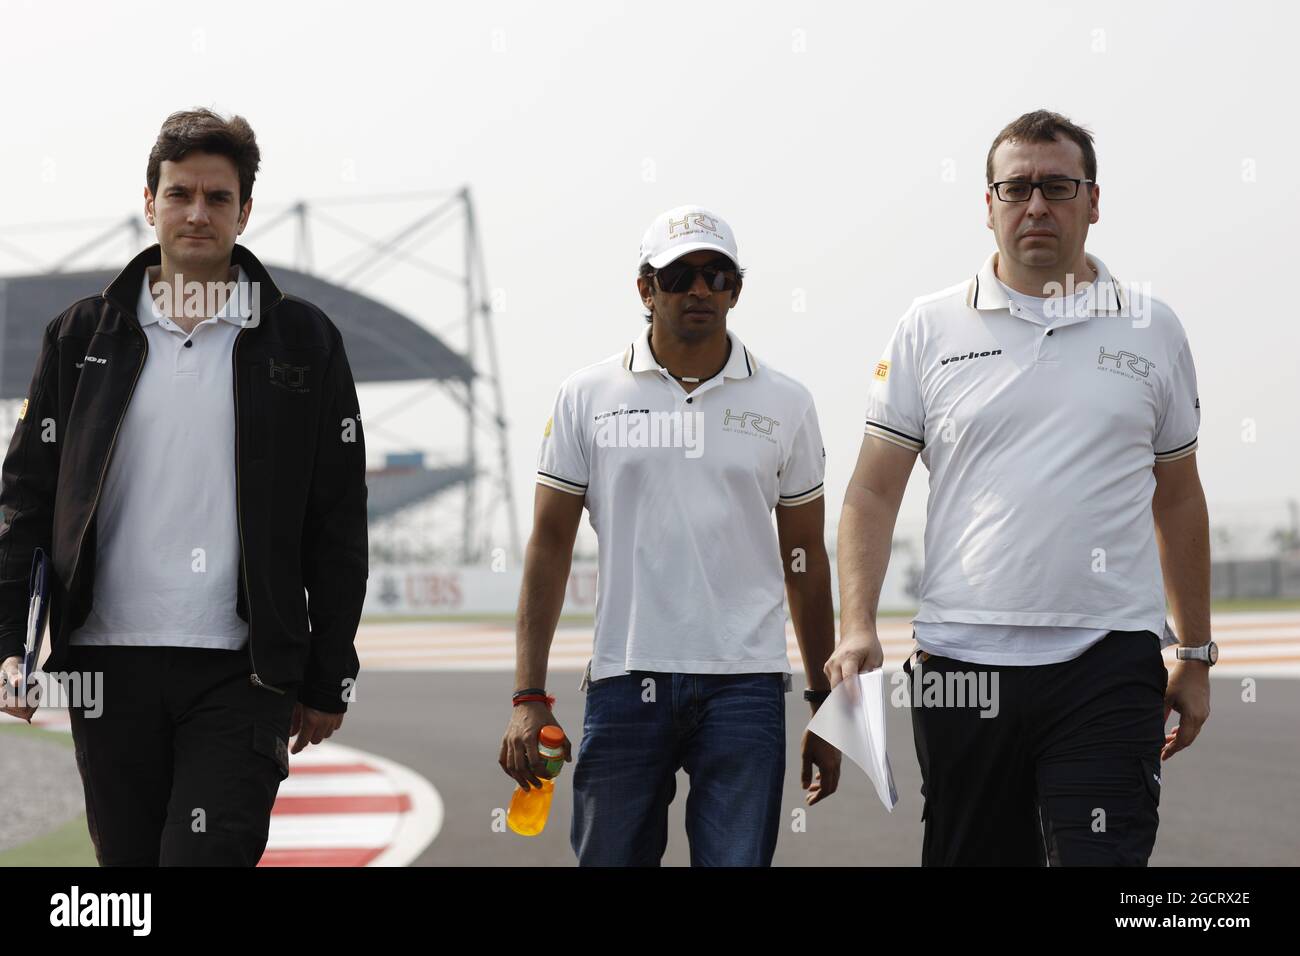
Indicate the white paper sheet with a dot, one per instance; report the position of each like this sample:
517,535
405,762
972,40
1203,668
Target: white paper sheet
853,720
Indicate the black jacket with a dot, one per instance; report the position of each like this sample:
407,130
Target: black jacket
300,480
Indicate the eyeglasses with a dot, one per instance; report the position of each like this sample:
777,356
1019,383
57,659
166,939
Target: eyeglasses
1053,190
679,277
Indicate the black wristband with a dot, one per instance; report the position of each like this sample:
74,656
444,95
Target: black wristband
816,696
530,690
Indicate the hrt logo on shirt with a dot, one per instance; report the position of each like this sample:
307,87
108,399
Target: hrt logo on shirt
1136,363
761,424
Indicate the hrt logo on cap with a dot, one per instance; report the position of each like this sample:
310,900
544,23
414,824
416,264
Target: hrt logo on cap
683,230
688,224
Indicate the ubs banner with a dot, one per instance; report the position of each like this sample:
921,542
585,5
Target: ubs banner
411,590
397,590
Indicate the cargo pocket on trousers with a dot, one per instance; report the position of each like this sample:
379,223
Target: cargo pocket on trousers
271,745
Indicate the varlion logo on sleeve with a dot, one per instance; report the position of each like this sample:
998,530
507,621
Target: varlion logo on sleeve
882,370
22,412
546,433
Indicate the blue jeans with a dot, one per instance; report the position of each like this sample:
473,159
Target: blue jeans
639,729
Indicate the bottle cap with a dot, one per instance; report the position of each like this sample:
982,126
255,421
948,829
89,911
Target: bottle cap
551,736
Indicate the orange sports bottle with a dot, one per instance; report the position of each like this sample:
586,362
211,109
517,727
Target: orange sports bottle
529,808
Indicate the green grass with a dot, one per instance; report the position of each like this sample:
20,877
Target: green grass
66,845
1256,604
20,728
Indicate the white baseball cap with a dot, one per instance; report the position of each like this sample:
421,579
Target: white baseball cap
686,229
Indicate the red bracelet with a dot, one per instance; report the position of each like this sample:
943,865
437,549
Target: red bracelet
530,698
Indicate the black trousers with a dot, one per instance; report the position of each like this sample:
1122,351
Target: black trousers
1064,767
182,762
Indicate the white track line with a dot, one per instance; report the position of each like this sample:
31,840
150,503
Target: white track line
420,825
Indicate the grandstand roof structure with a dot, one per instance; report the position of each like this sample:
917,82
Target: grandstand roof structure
383,345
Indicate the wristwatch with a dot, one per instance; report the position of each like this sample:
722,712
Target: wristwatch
1209,653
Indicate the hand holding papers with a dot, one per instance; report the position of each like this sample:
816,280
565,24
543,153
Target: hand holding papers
853,719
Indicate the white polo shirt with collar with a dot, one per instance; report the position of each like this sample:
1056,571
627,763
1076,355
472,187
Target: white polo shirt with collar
1040,441
680,489
167,532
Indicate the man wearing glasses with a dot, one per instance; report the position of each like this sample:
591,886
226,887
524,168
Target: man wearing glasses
1057,414
680,447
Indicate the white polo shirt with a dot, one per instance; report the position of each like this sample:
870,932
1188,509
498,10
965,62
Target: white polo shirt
1040,441
167,532
680,488
1013,644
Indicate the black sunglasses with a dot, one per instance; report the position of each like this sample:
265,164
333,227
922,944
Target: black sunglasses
679,277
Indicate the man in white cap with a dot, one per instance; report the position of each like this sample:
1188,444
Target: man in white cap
680,447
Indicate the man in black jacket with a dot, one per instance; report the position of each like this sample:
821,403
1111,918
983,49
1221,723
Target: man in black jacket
190,456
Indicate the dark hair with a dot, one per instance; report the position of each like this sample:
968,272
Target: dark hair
647,270
1043,126
203,131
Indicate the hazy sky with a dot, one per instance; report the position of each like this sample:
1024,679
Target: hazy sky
844,142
